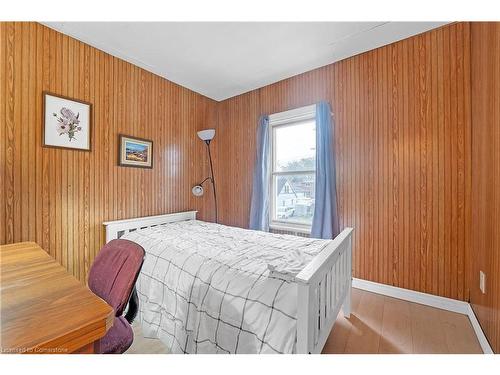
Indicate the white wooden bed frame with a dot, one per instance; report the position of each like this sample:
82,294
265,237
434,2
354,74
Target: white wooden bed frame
324,285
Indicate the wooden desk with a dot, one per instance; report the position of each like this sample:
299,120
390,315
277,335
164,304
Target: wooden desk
43,308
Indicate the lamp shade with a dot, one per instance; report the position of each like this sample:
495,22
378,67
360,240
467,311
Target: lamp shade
207,134
197,190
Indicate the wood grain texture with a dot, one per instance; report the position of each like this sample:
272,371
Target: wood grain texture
486,177
59,198
402,136
63,315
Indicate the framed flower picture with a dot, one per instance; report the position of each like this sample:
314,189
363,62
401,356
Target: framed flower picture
66,122
135,152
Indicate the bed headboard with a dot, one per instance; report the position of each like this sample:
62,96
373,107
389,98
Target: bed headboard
116,229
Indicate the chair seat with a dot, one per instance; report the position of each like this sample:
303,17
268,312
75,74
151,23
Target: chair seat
119,337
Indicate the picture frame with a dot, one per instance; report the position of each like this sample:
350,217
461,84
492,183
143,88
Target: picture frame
135,152
66,123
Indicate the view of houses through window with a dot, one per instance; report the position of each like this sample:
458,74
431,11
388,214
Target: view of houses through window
293,173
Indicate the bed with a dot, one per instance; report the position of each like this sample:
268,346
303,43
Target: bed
211,288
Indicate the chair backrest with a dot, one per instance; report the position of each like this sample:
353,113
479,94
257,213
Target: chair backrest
114,272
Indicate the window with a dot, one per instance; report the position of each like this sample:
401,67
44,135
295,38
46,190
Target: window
293,169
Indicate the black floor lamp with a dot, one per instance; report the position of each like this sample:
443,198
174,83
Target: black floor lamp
207,136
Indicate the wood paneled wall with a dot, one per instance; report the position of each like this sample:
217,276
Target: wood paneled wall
486,177
59,198
403,135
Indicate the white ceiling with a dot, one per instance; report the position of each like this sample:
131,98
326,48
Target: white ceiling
224,59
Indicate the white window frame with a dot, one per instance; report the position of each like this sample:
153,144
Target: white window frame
283,119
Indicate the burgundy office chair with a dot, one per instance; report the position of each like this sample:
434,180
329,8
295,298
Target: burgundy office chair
112,277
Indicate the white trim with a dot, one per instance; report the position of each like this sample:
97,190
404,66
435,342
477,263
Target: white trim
481,337
443,303
293,115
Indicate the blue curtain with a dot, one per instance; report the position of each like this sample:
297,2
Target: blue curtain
325,222
259,209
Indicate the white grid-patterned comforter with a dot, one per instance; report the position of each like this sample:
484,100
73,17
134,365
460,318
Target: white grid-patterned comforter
206,288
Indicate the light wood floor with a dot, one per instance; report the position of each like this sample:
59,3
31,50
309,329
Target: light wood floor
380,324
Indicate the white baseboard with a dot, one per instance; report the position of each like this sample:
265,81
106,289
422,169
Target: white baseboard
443,303
483,341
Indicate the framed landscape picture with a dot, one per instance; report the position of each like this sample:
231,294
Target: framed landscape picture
135,152
66,122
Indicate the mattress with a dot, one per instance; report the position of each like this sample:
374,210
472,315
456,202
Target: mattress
206,288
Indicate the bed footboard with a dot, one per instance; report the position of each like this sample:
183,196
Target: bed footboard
324,287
